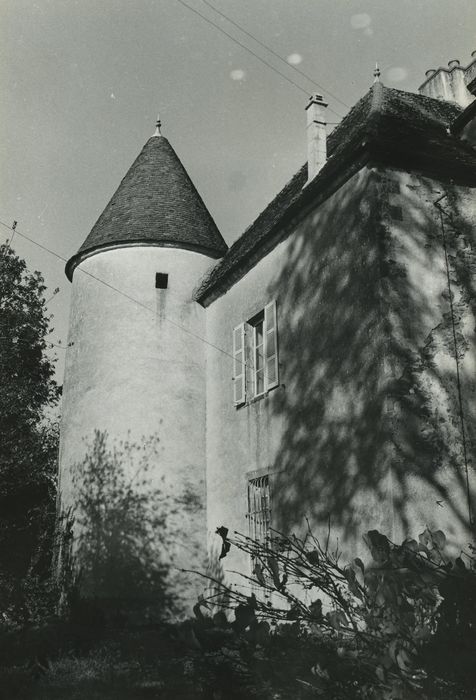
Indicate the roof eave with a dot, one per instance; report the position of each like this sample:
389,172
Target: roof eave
367,148
82,255
332,176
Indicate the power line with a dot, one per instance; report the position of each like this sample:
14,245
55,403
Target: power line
246,48
127,296
268,48
27,342
14,225
23,235
55,294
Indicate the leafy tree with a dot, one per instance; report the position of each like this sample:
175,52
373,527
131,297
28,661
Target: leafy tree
29,436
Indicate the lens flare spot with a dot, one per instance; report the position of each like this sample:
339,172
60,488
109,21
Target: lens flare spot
294,59
237,74
360,21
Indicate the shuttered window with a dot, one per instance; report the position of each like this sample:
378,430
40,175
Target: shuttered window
270,346
259,356
256,352
239,374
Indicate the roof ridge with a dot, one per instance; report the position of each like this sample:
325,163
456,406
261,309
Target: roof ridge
377,100
386,122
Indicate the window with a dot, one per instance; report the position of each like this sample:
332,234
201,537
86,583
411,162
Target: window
239,365
259,508
161,280
270,333
258,354
255,355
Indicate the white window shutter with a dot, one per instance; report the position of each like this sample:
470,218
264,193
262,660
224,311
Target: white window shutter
239,374
271,346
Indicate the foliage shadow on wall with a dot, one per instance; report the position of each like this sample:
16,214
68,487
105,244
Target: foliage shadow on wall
124,533
363,383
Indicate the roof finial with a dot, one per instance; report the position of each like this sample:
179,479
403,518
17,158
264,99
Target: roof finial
376,74
158,124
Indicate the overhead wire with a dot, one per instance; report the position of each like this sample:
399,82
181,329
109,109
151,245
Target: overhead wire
14,229
247,48
27,342
127,296
274,53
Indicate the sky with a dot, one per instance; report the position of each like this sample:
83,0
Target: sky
82,82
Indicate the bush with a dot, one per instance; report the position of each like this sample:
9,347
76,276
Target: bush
377,631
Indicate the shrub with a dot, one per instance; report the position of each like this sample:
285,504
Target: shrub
380,630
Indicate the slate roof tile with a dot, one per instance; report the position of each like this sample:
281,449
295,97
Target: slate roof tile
155,204
394,127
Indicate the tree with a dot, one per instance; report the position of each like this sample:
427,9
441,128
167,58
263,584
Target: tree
29,436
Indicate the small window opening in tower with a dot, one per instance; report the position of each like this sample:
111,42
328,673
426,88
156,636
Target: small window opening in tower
161,280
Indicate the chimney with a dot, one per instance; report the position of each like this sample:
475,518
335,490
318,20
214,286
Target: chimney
470,75
449,83
316,136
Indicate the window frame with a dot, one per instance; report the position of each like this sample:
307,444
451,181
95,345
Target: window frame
259,321
270,310
256,352
239,365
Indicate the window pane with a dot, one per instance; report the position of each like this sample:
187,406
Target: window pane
270,343
259,333
270,313
259,381
259,358
271,371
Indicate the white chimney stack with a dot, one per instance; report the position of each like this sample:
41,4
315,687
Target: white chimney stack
455,83
316,135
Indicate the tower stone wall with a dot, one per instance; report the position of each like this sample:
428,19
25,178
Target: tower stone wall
135,372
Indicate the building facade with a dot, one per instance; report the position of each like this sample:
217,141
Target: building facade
324,366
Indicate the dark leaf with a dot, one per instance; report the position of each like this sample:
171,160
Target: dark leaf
313,557
225,547
274,568
439,539
425,538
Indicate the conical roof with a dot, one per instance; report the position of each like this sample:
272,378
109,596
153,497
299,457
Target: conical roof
155,204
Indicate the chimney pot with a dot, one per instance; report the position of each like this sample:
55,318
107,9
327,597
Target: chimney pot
454,63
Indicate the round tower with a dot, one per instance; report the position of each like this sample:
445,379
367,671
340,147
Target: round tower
133,419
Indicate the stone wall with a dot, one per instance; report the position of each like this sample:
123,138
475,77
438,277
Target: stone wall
135,371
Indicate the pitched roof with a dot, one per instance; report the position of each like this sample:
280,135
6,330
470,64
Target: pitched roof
155,204
386,125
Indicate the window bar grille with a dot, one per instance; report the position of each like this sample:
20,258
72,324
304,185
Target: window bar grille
259,511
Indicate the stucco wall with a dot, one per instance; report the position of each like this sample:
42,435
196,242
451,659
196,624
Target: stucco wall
429,292
321,433
361,289
137,371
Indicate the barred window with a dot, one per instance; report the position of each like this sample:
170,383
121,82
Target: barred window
259,508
